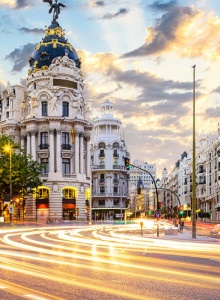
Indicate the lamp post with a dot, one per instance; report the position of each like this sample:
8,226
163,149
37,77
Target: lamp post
8,149
194,164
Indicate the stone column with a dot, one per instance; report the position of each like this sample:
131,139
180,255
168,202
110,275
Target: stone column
33,144
59,160
51,143
28,143
77,151
88,172
22,141
81,152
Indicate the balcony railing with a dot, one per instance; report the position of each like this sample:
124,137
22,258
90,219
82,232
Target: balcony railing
98,167
117,167
101,155
66,147
43,146
115,155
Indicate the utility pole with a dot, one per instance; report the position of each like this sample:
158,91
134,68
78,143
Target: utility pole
194,163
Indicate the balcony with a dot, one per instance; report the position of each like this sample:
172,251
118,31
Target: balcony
98,167
117,167
102,155
66,147
101,180
43,146
115,155
115,180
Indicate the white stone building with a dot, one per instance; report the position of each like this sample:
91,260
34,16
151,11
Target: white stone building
48,117
207,177
110,194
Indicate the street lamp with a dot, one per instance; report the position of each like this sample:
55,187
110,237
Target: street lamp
8,149
194,164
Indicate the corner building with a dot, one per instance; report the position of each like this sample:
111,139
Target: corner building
49,118
110,178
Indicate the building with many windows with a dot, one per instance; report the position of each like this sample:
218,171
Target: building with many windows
48,117
110,193
179,181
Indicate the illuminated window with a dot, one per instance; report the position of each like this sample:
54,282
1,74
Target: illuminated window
68,193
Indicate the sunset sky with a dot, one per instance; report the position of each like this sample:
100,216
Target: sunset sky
136,53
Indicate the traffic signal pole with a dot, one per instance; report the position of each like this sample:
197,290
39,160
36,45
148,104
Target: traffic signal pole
157,206
128,166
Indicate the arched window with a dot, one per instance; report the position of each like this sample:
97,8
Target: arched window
115,189
102,189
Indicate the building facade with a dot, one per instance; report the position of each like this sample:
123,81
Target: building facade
207,179
48,117
110,189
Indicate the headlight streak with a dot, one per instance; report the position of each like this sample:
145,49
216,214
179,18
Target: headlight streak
19,290
198,280
78,283
55,252
133,274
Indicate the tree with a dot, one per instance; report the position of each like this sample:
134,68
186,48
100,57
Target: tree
25,171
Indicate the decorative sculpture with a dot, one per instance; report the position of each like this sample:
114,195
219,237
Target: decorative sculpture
55,7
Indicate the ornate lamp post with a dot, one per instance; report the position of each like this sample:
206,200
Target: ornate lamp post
8,149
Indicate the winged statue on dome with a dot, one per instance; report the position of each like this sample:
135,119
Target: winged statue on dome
55,7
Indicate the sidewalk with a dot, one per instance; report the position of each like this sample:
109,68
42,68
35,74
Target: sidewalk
187,235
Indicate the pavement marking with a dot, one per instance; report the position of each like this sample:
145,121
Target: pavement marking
34,297
3,287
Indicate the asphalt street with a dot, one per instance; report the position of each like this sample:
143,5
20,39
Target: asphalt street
106,262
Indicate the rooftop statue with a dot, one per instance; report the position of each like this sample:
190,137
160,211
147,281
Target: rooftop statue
55,7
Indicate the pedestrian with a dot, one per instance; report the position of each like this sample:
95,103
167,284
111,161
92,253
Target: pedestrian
179,227
182,225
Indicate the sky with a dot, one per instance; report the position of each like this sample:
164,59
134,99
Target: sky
139,55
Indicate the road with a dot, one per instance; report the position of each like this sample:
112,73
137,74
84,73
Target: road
105,262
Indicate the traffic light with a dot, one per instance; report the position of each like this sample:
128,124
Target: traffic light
127,163
160,205
181,213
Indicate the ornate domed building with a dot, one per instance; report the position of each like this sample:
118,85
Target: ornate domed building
49,118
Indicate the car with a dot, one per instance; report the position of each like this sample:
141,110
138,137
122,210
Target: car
215,230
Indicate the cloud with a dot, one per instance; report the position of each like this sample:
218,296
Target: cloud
121,12
157,5
157,102
19,57
217,90
34,30
99,3
213,112
2,85
183,30
15,4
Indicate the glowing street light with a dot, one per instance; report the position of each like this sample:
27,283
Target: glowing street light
8,149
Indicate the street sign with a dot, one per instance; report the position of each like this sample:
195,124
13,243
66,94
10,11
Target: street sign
158,214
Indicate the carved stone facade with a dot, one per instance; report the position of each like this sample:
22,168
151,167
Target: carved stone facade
48,117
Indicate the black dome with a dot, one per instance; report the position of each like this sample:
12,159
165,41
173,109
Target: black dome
53,45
